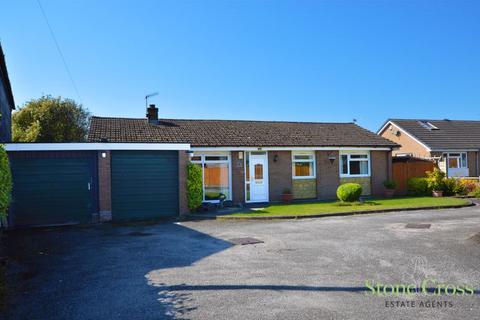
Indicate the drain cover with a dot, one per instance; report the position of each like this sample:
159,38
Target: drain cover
244,241
418,226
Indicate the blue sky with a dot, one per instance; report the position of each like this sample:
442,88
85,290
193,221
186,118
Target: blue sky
265,60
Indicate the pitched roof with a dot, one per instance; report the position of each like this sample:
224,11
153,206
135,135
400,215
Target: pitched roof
5,80
234,133
446,134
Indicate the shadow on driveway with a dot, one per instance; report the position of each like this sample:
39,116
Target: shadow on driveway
98,272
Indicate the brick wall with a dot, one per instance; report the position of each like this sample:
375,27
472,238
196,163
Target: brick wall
407,144
279,173
380,162
304,188
472,163
104,186
363,181
238,177
327,174
183,159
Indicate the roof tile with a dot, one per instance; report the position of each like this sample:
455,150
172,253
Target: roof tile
234,133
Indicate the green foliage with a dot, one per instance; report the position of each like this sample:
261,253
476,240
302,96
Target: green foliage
5,182
450,187
194,186
469,185
418,187
476,193
349,192
436,179
50,119
390,184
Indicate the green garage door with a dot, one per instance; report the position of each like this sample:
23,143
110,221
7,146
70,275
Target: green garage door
52,190
144,185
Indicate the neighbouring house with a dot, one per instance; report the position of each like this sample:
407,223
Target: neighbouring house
454,144
6,101
135,169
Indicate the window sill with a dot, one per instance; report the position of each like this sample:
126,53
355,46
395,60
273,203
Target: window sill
304,178
355,176
216,201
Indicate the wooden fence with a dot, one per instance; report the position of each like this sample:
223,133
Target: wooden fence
405,168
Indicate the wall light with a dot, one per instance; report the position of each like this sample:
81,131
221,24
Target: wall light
104,155
275,158
332,158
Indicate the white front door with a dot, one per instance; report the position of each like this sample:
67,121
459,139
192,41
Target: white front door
258,166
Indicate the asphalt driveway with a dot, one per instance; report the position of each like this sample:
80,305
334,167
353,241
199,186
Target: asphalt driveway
304,269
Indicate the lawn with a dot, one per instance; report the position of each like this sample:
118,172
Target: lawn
316,208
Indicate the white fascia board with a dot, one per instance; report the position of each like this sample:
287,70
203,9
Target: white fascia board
453,150
288,148
384,126
94,146
404,131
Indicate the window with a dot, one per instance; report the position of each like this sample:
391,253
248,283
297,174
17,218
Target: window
216,176
258,171
355,165
303,165
457,160
428,125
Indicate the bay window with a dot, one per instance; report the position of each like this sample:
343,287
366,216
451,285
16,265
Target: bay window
303,165
215,176
354,164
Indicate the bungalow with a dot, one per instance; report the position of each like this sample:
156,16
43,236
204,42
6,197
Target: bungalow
455,144
254,161
135,169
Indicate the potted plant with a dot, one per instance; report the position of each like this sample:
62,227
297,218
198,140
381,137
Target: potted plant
287,195
390,186
435,180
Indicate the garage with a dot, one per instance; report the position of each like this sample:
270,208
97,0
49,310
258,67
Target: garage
144,185
53,188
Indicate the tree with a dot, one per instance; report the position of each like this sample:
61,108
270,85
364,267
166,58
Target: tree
50,119
5,183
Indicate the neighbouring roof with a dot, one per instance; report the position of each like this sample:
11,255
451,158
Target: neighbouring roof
234,133
5,80
442,134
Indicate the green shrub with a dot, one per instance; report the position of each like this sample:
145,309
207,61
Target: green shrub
451,187
390,184
5,182
418,187
436,179
476,193
469,185
349,192
194,186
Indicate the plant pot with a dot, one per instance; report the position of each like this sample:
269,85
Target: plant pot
437,193
389,193
287,197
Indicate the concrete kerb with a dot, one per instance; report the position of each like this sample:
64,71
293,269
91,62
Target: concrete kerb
323,215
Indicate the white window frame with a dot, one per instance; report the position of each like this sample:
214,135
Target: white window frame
459,160
312,160
202,162
349,154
